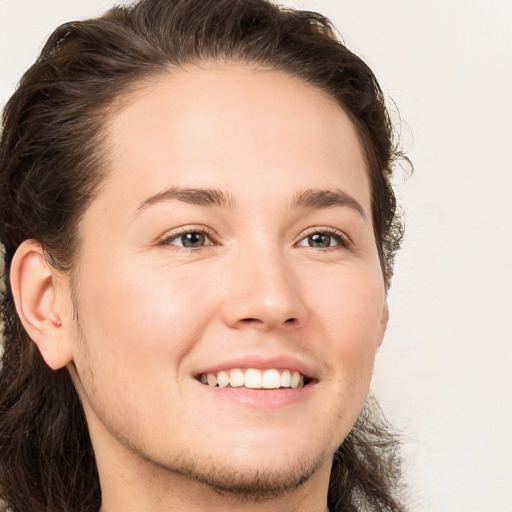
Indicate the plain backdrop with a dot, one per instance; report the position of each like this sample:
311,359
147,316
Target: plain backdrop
444,373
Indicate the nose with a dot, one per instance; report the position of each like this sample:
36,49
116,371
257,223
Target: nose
264,293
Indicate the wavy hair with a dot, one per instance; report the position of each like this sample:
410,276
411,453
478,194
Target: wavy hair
51,165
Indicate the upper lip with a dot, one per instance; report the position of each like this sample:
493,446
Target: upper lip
260,362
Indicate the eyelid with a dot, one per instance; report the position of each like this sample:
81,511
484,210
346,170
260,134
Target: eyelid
166,238
346,242
169,236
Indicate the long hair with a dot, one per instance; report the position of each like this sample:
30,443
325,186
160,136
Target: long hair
51,162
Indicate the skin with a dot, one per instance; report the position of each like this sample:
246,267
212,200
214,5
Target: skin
153,314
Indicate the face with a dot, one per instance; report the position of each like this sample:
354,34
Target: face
229,292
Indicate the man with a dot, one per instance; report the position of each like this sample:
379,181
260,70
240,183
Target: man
199,233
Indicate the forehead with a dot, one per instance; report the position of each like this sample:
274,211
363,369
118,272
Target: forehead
234,126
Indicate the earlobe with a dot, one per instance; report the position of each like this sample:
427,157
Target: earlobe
33,284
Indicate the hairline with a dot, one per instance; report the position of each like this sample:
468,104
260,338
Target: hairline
139,85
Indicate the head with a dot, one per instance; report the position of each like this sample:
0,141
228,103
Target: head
103,92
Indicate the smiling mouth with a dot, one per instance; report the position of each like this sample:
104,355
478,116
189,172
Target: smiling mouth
252,378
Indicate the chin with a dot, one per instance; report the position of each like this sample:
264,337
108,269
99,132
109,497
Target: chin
254,480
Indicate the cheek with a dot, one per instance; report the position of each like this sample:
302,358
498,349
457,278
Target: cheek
132,314
349,308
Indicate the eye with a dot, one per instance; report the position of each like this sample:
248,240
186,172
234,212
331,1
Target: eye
188,239
324,240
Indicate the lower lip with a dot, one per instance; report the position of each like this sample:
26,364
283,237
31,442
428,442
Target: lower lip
260,398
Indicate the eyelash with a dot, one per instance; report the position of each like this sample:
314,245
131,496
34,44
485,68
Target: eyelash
343,241
202,230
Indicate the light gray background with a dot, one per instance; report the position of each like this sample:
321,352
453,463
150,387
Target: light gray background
444,373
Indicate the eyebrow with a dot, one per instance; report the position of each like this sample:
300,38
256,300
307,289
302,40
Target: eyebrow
310,198
197,196
319,198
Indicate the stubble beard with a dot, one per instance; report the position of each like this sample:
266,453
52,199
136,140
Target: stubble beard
227,477
231,479
238,483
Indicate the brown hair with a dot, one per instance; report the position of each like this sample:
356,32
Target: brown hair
51,166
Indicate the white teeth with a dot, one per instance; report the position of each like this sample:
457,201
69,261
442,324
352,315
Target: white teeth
212,379
271,379
295,381
253,378
222,379
236,378
286,377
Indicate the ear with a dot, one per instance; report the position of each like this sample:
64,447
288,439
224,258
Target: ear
383,324
34,285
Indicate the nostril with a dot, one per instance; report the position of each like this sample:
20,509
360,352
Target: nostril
248,321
